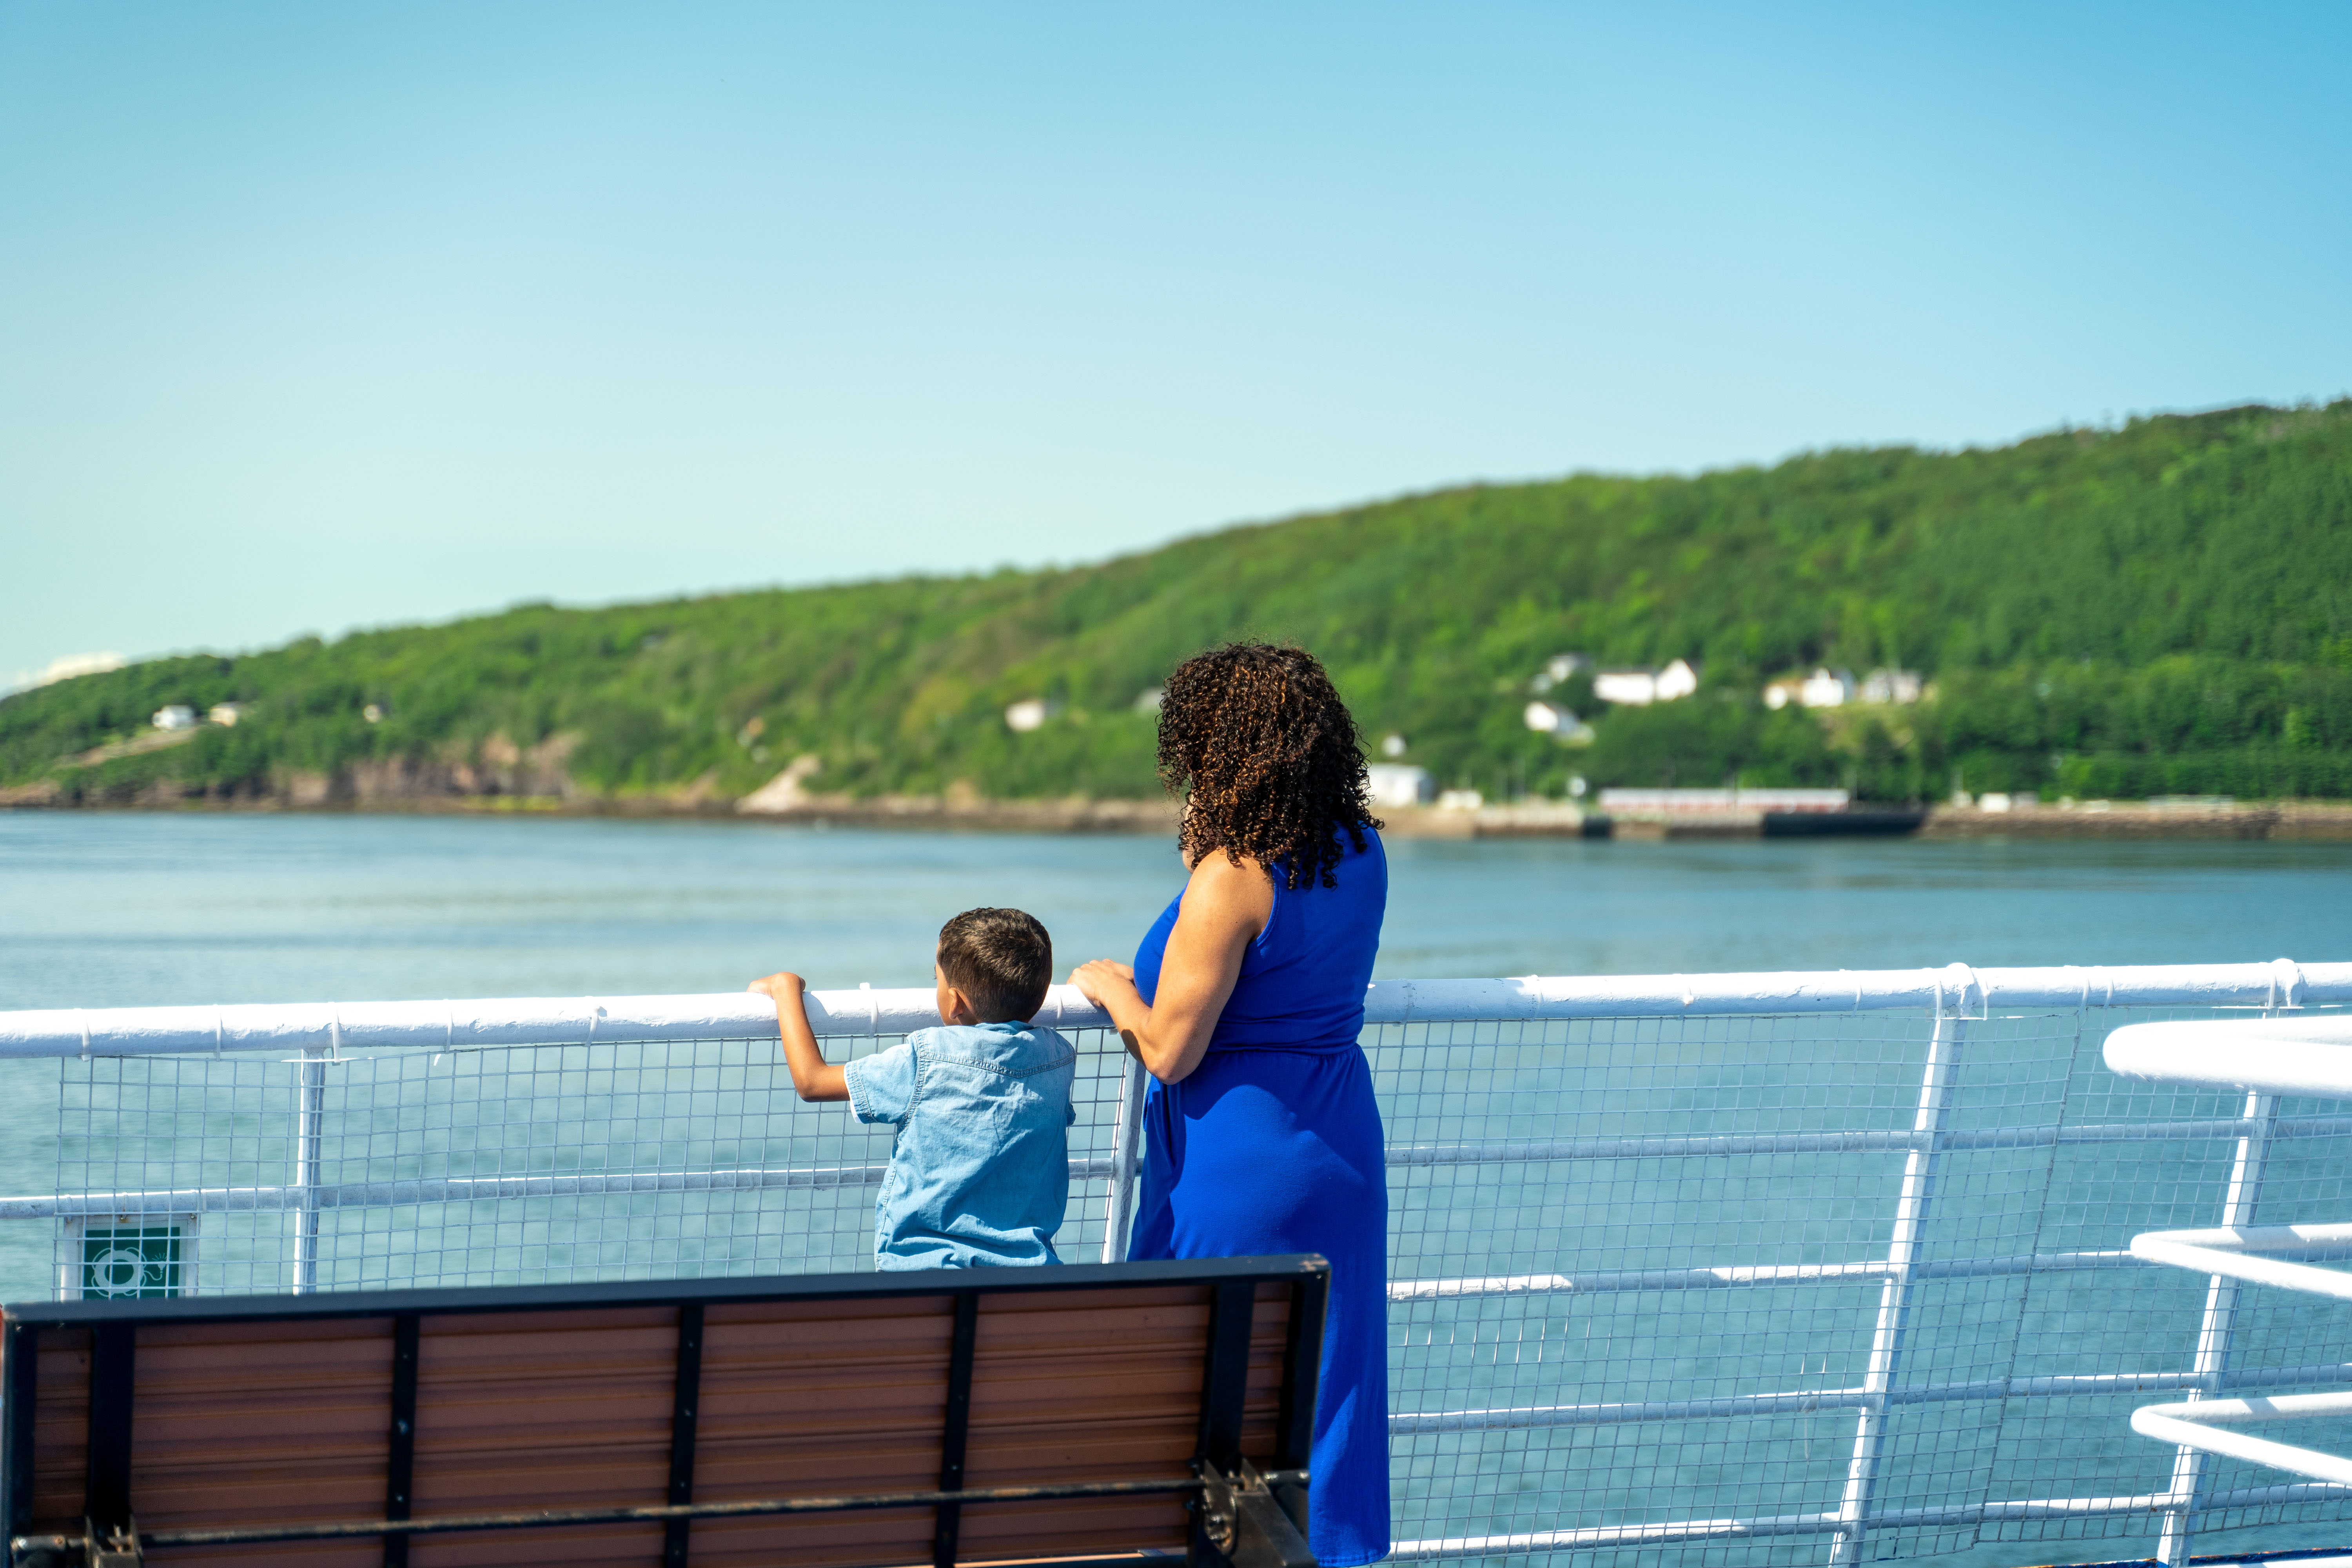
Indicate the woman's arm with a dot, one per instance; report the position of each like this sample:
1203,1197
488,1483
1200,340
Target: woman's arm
1226,908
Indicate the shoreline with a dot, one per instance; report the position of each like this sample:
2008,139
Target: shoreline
2290,819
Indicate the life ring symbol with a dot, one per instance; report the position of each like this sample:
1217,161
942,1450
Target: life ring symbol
118,1272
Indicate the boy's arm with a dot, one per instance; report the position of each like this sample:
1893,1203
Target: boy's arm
813,1076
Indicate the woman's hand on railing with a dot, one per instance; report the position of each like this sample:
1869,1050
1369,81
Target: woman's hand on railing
1110,985
1225,906
1103,979
1102,971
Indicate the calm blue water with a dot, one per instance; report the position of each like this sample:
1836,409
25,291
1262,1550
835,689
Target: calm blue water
108,911
112,911
128,909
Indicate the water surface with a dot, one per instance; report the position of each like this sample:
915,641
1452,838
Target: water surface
111,910
121,909
129,909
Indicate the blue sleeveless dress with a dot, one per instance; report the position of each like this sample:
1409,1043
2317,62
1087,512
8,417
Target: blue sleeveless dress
1274,1144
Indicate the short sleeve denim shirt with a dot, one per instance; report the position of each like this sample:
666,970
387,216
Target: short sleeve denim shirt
980,1174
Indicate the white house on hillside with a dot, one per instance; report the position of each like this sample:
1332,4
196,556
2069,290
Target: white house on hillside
1552,719
1827,688
1556,668
1400,783
1889,685
1639,688
1030,714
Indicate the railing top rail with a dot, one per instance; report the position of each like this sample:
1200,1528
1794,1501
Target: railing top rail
570,1020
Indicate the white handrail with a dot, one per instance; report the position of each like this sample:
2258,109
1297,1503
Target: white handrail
2266,1058
2301,1056
2191,1426
2226,1252
1956,995
564,1020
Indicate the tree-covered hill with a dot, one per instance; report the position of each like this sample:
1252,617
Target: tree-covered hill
2166,607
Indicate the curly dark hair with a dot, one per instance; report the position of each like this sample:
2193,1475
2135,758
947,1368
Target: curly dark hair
1272,758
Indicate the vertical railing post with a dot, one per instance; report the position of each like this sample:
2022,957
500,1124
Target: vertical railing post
1126,1144
309,1124
2213,1358
1911,1208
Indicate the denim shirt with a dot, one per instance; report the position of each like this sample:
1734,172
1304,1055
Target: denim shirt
979,1174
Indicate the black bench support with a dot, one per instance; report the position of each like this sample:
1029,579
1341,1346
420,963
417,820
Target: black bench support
681,1429
21,1356
1237,1520
400,1447
1302,1371
113,1370
956,1428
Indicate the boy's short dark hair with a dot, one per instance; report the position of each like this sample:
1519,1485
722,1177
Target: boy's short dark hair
1002,960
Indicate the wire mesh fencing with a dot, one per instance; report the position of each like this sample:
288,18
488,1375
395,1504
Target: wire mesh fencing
501,1166
1808,1287
1764,1290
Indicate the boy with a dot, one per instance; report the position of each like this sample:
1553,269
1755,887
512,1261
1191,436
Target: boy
980,1173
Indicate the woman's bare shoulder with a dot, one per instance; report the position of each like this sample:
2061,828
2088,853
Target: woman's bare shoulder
1220,888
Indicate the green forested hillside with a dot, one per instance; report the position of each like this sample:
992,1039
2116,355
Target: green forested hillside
2164,607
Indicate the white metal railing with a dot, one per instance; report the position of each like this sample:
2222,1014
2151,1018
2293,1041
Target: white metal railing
567,1020
2265,1060
1647,1233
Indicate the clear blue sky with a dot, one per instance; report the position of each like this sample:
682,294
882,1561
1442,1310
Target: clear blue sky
316,316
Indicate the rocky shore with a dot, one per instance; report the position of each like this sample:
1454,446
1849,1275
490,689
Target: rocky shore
2147,819
536,783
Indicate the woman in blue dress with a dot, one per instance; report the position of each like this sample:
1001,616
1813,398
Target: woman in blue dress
1245,1002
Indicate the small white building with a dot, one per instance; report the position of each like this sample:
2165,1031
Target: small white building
1030,714
178,716
1460,800
1625,686
1552,719
1890,685
226,713
1556,668
1639,688
1781,693
1827,688
1400,783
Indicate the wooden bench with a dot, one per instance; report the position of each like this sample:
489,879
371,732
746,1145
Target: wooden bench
1110,1414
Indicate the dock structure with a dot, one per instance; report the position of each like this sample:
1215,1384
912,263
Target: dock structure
1774,1268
